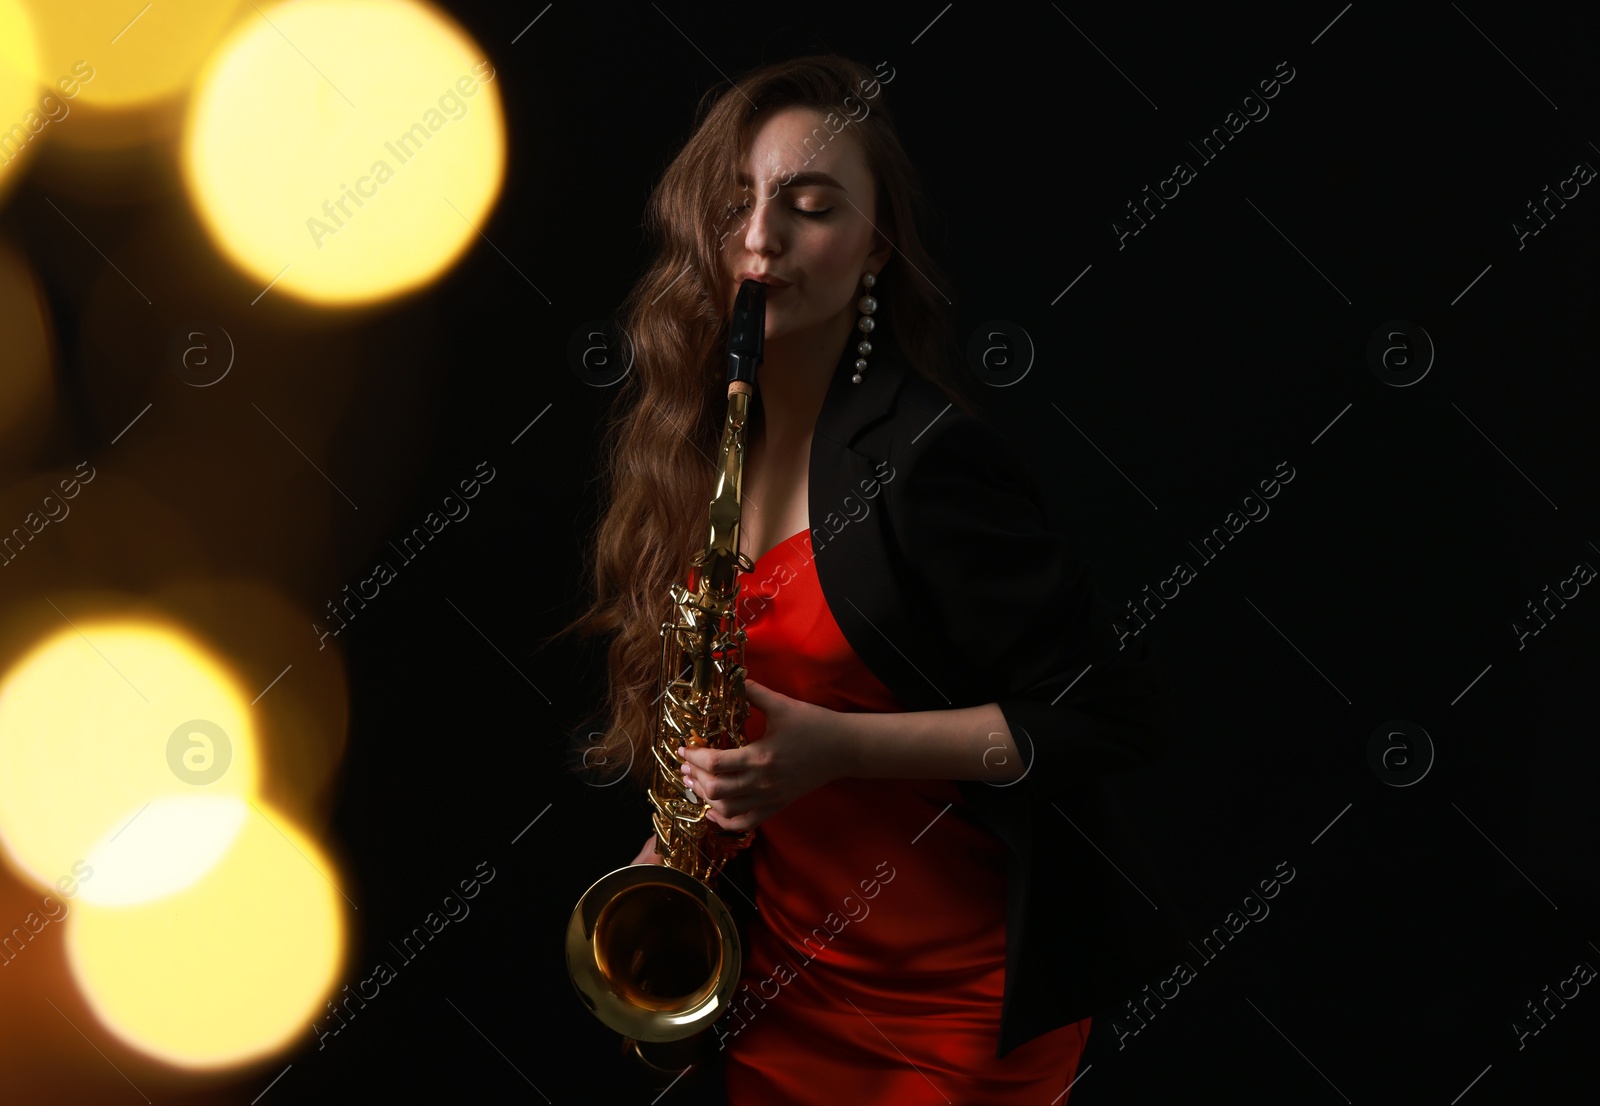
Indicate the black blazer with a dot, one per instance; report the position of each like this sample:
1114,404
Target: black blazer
935,555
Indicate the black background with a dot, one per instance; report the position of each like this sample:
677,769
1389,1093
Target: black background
1227,336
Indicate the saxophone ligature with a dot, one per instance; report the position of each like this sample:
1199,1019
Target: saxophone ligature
652,950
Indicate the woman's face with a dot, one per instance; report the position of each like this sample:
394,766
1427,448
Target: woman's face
802,215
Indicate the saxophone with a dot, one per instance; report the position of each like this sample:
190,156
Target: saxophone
651,949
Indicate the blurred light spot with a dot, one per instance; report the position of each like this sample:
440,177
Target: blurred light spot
359,176
19,90
233,968
162,848
85,721
109,53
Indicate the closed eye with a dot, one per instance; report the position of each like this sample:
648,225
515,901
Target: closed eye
734,208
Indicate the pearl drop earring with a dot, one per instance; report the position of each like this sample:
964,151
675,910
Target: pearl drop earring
867,305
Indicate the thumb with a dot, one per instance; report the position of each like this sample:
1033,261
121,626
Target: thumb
762,699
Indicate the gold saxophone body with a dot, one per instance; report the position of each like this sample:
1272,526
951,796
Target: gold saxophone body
651,949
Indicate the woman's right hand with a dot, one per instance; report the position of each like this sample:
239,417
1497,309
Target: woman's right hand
648,854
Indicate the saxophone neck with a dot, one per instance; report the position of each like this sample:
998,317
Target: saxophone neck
719,562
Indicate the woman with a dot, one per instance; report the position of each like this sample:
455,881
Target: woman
934,684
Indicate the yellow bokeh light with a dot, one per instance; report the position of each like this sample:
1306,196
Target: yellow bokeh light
120,56
161,849
233,968
19,59
20,117
102,720
354,164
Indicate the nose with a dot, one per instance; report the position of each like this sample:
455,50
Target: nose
761,234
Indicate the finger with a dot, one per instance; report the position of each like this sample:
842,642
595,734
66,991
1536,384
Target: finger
761,697
738,823
727,762
720,785
709,759
734,806
705,786
716,787
723,818
720,763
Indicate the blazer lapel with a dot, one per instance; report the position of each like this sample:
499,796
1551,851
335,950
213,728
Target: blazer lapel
849,409
850,532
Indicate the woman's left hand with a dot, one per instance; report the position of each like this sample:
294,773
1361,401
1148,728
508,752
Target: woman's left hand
798,751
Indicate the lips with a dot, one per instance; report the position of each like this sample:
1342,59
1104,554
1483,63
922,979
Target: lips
765,278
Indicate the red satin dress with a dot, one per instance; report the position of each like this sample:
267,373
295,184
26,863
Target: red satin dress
874,964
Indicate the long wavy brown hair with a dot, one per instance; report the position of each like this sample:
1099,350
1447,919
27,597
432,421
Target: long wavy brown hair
667,418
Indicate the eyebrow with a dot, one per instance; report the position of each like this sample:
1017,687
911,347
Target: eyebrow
801,180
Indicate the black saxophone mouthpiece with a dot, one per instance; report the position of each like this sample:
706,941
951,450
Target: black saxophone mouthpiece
749,327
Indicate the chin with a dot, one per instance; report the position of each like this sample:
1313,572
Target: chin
777,328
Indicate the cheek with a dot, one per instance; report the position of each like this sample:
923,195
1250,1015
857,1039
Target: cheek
835,257
835,271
